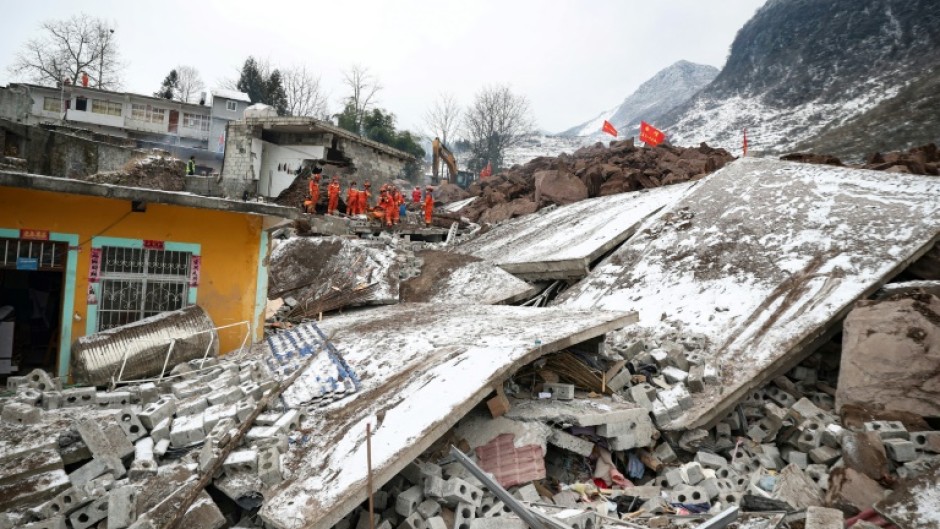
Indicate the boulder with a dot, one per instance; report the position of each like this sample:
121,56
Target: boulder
891,355
447,193
864,452
508,210
852,492
558,187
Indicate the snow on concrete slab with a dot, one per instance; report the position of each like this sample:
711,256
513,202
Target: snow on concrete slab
560,243
915,502
326,273
448,277
422,367
762,258
454,207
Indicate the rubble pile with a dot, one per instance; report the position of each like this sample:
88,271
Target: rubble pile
922,160
588,172
156,171
80,457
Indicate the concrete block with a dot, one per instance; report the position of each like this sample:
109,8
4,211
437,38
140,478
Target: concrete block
288,422
692,440
457,490
187,430
527,493
95,468
689,494
926,441
241,461
415,521
436,523
269,466
55,522
40,380
832,435
156,412
809,440
888,429
823,518
229,395
819,474
251,388
380,500
131,425
804,410
572,443
407,502
559,391
160,447
428,509
191,407
90,514
900,450
51,400
19,413
214,414
244,408
665,453
673,477
674,375
464,514
114,400
573,519
147,393
434,487
65,502
640,395
620,380
826,455
710,485
696,379
796,457
122,507
663,412
710,460
692,473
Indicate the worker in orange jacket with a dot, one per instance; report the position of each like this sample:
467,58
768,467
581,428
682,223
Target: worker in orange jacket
428,206
352,199
385,202
416,195
310,205
332,192
365,197
396,201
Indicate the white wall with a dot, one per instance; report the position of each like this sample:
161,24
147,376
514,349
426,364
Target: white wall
273,181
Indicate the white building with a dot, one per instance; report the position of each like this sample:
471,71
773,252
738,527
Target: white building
184,129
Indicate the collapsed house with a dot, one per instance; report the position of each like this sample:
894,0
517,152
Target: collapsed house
672,367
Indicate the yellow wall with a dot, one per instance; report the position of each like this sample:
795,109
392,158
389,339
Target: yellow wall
229,246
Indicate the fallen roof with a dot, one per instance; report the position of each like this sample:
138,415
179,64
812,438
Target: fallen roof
763,258
448,277
308,125
140,194
422,368
562,242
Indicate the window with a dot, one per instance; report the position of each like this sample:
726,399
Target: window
147,113
100,106
81,104
196,121
137,283
231,105
52,104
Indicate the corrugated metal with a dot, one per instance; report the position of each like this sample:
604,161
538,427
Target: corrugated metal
97,358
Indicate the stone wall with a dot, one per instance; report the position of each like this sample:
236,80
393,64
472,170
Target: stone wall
370,163
239,173
208,186
15,104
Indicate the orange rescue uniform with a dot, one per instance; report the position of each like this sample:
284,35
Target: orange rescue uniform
332,192
428,207
352,201
314,192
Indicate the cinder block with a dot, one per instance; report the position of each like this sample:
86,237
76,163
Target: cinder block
19,413
457,491
428,509
689,494
826,455
156,412
288,422
796,457
214,414
407,501
241,461
414,521
41,381
692,473
528,493
696,379
673,478
665,453
559,391
710,485
900,450
65,502
131,425
674,375
804,410
888,429
90,514
464,514
104,438
710,460
620,380
95,468
194,406
640,395
55,522
51,400
114,400
436,523
244,408
122,507
926,441
229,395
809,440
269,466
187,430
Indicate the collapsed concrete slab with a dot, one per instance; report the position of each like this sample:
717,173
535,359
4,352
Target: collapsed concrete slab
327,273
914,503
561,243
763,259
422,367
891,356
448,277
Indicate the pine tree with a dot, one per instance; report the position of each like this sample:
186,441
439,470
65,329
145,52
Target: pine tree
251,81
274,93
171,84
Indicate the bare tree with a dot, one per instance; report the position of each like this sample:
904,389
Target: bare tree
443,118
67,48
496,121
363,87
189,84
305,96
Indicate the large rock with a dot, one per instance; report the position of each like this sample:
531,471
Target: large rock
852,492
508,210
864,452
891,355
447,193
559,187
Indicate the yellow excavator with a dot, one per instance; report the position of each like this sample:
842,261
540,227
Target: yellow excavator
442,153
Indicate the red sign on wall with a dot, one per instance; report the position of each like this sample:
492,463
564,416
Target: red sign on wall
153,245
34,235
94,265
195,263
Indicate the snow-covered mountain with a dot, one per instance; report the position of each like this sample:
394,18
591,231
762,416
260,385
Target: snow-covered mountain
845,77
670,87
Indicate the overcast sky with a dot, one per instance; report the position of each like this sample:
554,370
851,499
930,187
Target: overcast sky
571,59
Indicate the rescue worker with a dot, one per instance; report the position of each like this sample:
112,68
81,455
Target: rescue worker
385,203
313,188
332,192
396,201
352,199
416,195
428,206
191,166
402,207
365,196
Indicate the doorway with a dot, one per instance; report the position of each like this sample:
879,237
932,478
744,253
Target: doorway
32,279
174,121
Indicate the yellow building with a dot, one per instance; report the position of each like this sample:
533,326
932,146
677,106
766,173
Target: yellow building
78,257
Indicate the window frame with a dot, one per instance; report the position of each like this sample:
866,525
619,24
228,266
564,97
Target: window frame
45,104
111,108
200,122
148,113
231,106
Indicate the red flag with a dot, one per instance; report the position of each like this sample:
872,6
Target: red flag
609,129
745,142
487,171
650,135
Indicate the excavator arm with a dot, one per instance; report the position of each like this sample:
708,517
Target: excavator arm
442,153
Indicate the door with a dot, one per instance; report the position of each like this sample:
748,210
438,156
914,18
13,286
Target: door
174,121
